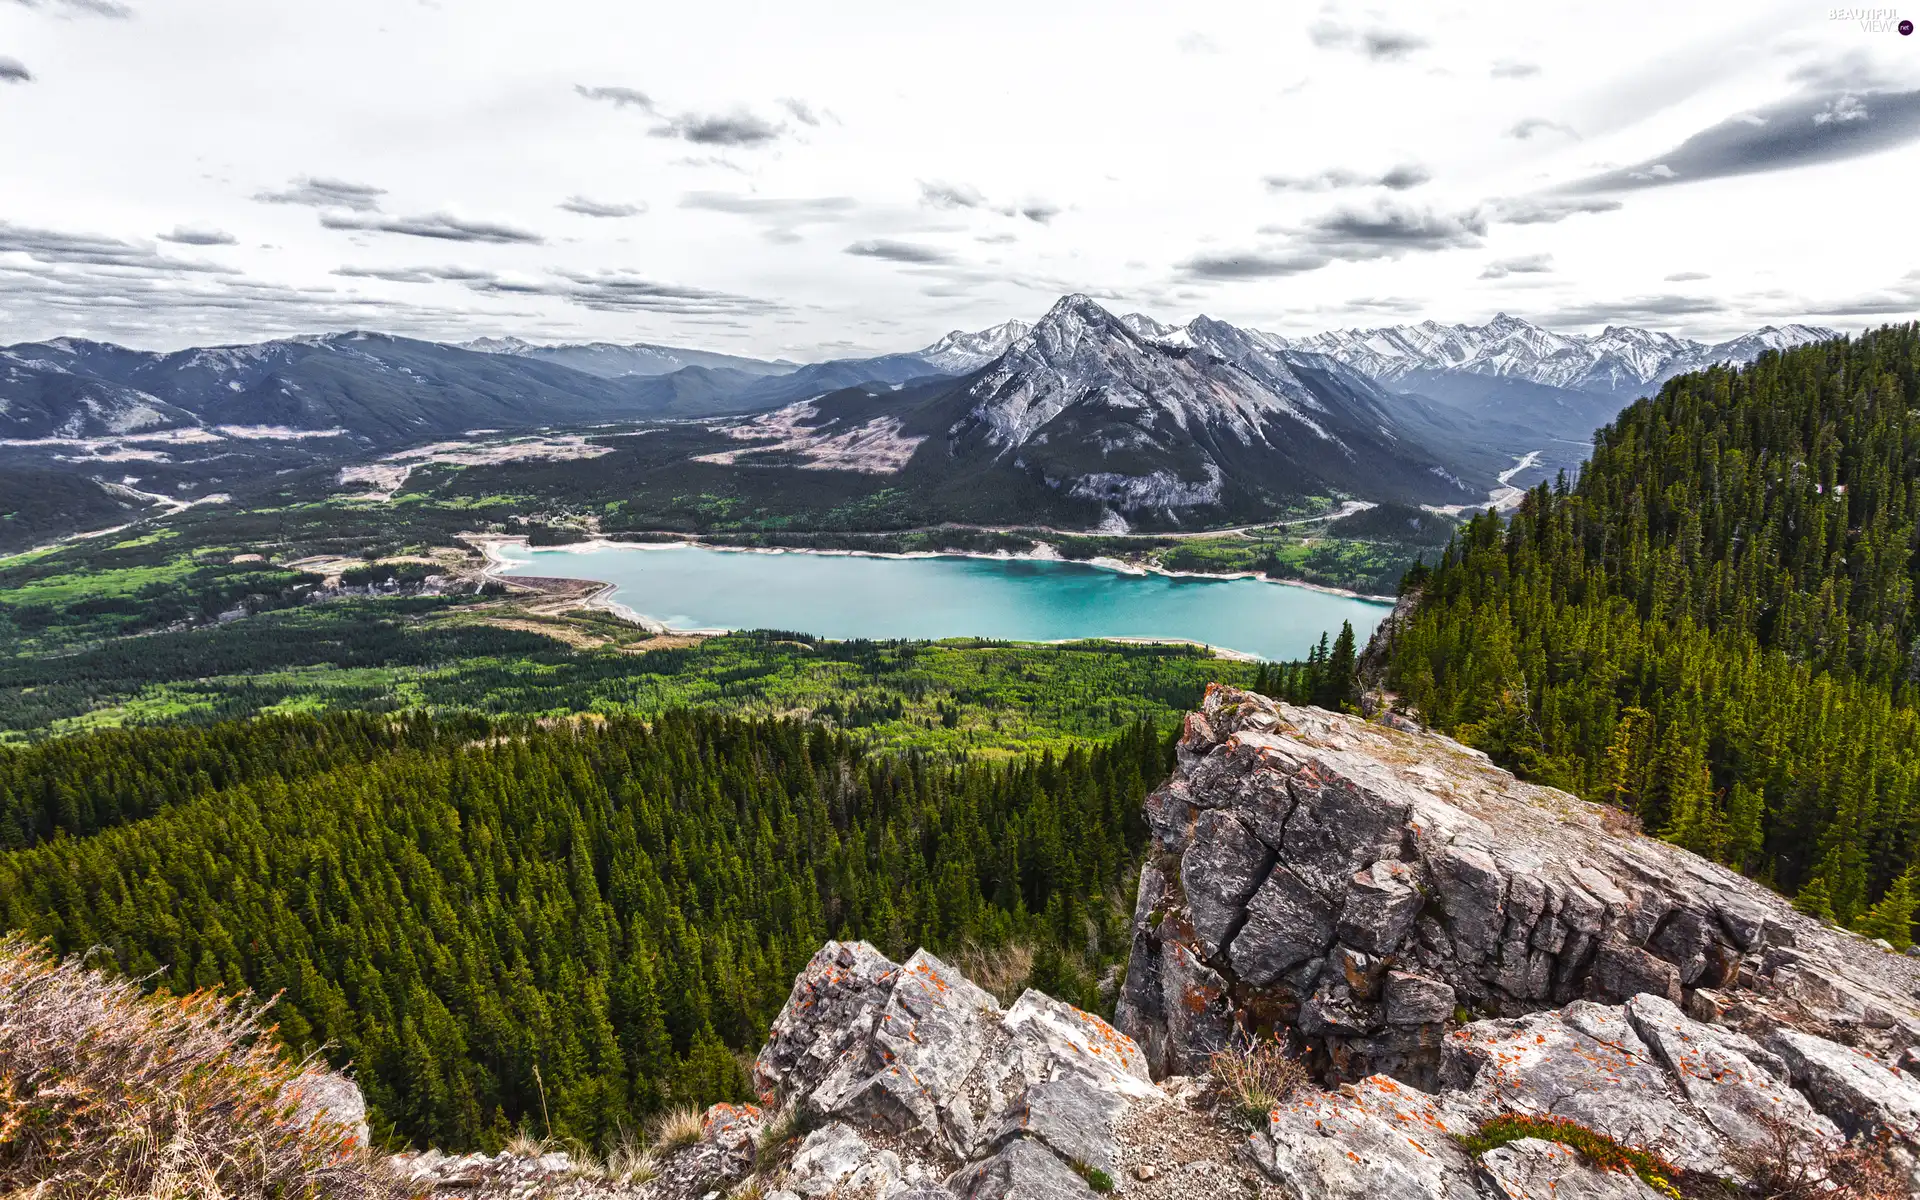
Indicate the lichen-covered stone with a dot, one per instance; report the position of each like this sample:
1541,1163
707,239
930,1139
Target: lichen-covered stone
1379,1140
1532,1169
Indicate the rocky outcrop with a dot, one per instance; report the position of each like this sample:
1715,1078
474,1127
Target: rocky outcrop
913,1078
1401,910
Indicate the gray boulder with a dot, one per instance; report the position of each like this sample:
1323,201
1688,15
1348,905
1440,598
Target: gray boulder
1531,1169
1025,1170
1375,1140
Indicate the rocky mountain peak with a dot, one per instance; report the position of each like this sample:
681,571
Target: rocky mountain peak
961,351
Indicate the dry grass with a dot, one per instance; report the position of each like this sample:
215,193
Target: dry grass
1002,971
1791,1166
1253,1076
678,1127
631,1162
105,1092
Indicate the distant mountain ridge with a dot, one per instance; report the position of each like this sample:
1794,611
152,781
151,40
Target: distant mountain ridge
1616,361
611,360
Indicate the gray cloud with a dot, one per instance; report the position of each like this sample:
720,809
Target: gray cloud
1525,264
1803,131
1195,42
1545,210
12,70
1389,228
1527,127
316,192
596,208
441,226
468,275
625,291
601,291
189,235
1638,310
737,128
820,208
1386,304
903,252
801,110
780,217
1508,68
619,97
1687,276
1399,179
1252,264
937,194
81,8
950,195
54,247
1377,43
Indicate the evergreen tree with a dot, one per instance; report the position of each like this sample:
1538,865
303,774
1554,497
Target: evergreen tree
1892,917
1814,901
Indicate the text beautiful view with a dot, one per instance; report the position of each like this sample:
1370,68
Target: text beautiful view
813,602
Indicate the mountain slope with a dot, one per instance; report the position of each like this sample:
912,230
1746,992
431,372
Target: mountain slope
1715,627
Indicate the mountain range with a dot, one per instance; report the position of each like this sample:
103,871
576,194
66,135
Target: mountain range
1112,418
1618,361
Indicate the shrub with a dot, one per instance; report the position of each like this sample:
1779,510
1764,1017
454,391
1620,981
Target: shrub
106,1092
1789,1165
1255,1076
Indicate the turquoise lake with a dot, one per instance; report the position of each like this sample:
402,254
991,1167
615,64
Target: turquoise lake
856,596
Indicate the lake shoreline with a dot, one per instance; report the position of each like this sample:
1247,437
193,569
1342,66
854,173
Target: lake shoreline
1043,552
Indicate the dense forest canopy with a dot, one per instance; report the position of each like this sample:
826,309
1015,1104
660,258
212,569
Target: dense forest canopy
1716,626
606,910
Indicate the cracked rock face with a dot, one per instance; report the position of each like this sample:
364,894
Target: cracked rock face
1366,889
921,1084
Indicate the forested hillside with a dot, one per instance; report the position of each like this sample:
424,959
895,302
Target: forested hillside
1716,626
566,927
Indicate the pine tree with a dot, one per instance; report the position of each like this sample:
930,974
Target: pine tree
1892,917
1813,899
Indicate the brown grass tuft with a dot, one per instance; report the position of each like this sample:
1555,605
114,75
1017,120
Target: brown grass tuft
678,1127
1255,1075
106,1092
1001,971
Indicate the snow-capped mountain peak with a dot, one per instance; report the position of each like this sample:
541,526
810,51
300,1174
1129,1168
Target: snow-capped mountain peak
961,351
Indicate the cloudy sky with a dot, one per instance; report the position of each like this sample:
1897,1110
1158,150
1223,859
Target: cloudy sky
811,180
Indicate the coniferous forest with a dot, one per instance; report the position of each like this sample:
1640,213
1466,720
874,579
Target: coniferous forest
567,926
1715,627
